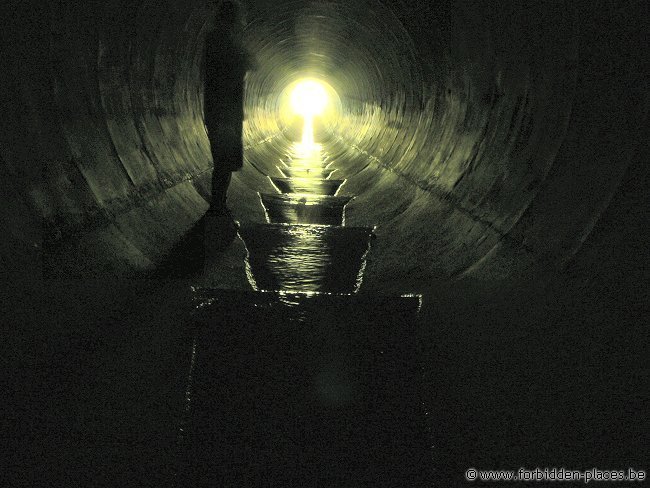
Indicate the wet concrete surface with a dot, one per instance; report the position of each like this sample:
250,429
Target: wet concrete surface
306,257
304,208
581,404
316,186
305,246
304,383
296,172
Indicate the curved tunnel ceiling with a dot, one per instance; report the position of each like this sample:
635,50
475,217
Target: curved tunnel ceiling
458,149
470,131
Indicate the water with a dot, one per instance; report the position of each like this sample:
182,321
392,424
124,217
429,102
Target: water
304,208
304,382
305,247
317,186
306,257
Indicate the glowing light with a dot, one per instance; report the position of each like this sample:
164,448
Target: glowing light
309,98
308,132
302,101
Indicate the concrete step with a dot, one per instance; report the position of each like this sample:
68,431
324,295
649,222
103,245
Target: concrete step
316,186
306,257
405,306
297,208
308,172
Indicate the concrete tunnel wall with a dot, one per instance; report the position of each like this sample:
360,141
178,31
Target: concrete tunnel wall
493,131
485,139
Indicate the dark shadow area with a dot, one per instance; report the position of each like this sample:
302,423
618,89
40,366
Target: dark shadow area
499,148
97,375
293,390
187,256
544,372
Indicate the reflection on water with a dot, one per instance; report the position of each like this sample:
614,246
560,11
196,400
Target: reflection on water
306,172
315,186
306,257
305,246
306,382
311,153
301,208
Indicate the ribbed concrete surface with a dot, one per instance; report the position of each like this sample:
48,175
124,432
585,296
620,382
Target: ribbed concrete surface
500,124
483,139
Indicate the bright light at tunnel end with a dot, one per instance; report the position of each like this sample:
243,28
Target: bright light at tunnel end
309,98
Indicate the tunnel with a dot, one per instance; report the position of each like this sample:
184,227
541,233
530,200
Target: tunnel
497,150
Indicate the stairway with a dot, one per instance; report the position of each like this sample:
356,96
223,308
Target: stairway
304,382
305,247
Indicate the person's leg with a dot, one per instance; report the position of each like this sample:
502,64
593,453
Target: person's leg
221,228
220,182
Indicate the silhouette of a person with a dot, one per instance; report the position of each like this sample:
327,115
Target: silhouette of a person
226,63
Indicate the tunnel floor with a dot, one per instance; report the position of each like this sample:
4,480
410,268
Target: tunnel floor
303,382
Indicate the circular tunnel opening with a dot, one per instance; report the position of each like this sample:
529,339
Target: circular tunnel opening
306,107
423,138
492,148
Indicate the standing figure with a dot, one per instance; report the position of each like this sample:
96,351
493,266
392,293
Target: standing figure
226,63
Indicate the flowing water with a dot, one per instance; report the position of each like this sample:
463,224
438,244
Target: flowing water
304,382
